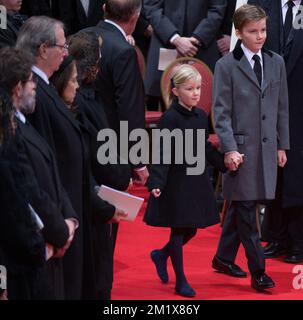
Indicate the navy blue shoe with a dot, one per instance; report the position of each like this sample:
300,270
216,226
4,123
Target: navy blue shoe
186,291
160,262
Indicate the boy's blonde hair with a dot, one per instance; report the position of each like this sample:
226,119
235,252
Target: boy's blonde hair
181,74
247,13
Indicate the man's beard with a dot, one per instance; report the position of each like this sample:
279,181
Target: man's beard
28,102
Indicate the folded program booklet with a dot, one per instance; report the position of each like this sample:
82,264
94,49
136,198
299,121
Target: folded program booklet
122,200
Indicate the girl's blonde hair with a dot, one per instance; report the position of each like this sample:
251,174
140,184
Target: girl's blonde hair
181,74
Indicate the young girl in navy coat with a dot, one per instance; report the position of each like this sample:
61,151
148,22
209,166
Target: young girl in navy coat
180,201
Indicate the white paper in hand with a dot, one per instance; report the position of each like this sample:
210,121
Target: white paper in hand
122,200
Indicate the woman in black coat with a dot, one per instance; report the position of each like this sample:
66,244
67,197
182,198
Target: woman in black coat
179,200
66,85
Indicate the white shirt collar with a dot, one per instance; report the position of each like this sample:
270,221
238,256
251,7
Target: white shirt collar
40,73
296,2
117,26
249,54
20,116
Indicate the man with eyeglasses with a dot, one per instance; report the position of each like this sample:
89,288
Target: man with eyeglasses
44,37
38,165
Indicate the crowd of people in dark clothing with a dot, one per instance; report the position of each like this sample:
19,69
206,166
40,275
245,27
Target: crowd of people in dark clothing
69,69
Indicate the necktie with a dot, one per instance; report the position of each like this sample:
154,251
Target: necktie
258,68
288,20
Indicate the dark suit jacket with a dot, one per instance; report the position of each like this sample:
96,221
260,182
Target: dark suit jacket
227,22
119,85
8,37
199,18
36,8
292,52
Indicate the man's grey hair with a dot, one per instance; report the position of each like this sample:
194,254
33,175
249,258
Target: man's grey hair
36,31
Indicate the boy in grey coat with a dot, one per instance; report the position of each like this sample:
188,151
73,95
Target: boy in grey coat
251,120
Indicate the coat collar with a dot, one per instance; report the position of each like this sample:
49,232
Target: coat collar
51,92
29,133
186,112
245,67
111,28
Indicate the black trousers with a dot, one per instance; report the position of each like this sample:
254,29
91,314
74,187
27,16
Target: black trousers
283,225
240,226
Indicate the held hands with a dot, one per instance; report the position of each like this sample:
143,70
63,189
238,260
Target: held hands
282,159
186,47
156,193
233,159
119,214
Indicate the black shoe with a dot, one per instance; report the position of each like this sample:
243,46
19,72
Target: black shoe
228,268
273,250
294,258
261,282
186,291
160,262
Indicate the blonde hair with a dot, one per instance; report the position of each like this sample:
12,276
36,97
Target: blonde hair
180,75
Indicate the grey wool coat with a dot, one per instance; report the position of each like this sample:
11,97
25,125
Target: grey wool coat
252,120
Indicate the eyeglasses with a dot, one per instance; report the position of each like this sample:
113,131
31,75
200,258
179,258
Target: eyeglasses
61,46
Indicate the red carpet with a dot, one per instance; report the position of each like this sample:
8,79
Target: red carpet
136,279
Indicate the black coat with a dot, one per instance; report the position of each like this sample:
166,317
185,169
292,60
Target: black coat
50,201
186,200
93,119
22,246
292,51
63,133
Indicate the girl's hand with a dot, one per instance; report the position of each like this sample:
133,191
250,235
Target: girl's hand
156,193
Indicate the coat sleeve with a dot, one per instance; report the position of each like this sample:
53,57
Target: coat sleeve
161,24
159,172
223,107
55,229
283,116
208,28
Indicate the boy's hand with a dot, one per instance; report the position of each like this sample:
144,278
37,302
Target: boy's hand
156,193
282,159
233,159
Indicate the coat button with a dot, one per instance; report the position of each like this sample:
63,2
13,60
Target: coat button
263,117
264,139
